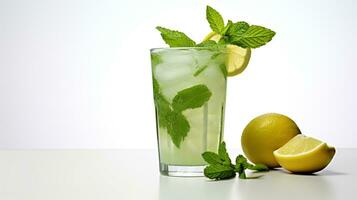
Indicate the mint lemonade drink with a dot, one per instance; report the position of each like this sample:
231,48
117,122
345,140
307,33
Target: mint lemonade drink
189,92
189,83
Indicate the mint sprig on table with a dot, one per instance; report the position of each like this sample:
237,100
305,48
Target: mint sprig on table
170,114
239,33
220,165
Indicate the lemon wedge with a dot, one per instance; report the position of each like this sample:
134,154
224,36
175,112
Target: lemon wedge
237,58
304,154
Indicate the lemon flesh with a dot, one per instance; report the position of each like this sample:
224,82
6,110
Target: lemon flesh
237,57
265,134
304,154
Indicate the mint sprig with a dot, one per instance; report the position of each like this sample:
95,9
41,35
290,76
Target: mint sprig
170,114
220,166
239,33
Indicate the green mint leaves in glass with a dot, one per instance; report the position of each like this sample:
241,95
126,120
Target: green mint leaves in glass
189,81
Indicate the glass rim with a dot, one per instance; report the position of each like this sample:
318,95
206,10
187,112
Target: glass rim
184,48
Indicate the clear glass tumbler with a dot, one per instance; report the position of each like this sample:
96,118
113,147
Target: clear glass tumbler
189,95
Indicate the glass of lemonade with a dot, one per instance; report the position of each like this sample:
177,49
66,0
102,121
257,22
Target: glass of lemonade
189,95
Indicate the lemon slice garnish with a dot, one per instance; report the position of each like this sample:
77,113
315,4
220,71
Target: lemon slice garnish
237,59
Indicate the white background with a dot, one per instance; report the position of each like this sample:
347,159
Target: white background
76,73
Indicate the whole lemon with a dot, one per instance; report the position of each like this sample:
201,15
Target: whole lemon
265,134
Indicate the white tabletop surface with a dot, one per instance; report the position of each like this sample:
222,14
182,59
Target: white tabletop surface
133,174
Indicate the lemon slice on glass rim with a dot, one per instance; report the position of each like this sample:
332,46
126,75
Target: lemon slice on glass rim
237,58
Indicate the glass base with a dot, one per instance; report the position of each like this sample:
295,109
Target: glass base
181,171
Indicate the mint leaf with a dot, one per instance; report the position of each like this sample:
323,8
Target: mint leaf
201,69
175,38
155,59
227,27
224,40
214,56
253,37
156,86
219,172
162,106
223,154
240,159
242,175
215,20
238,28
193,97
212,45
177,128
221,167
207,43
259,167
223,69
241,165
163,110
211,158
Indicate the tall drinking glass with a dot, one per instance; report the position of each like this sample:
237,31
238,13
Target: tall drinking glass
189,95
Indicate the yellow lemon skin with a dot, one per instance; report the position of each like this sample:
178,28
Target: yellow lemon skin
304,155
265,134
